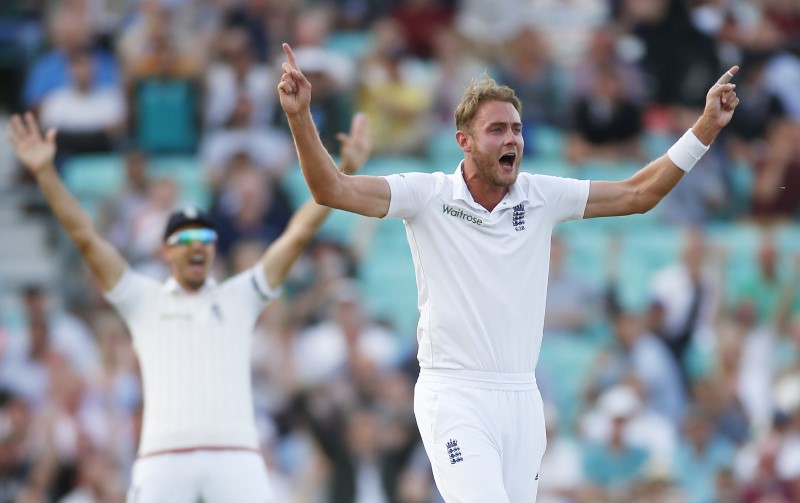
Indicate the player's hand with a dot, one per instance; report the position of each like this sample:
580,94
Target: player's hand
294,89
34,151
721,99
355,146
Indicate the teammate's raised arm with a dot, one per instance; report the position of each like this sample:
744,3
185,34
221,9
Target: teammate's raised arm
647,187
282,254
366,195
37,154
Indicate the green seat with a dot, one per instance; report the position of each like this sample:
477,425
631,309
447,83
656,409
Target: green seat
563,369
548,142
388,165
387,275
353,44
442,148
187,173
94,176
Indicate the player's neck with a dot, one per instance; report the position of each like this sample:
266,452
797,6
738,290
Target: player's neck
485,193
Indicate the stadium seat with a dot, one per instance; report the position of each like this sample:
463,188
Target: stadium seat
388,264
548,142
442,148
353,44
94,177
187,172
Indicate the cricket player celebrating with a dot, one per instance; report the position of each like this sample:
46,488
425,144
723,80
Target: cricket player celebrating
192,335
480,241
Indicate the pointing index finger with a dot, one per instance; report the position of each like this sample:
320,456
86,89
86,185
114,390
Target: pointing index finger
727,76
290,56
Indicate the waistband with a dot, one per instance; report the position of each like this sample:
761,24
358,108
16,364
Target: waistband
477,379
200,448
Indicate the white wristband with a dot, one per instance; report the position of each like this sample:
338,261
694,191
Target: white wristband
687,151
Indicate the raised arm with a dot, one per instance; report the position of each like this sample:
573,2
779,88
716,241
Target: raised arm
37,153
282,254
641,192
366,195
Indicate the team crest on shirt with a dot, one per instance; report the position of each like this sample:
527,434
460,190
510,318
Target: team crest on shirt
518,217
454,451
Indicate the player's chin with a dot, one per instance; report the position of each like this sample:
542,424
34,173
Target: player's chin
196,274
507,175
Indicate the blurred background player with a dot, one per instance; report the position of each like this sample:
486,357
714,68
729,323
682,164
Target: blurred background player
199,439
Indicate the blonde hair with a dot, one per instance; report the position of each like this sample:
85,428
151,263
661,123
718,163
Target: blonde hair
478,92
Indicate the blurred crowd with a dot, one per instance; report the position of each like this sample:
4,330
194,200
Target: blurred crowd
687,390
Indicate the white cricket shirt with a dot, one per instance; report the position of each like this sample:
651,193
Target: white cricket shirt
194,354
482,276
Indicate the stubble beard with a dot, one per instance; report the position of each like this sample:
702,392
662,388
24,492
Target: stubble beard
489,170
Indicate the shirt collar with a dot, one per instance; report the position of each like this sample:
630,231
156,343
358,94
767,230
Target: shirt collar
172,286
514,196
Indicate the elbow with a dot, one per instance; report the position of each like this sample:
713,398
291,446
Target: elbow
323,198
642,198
645,203
83,241
329,196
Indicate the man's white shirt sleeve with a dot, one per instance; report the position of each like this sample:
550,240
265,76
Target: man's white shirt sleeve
410,192
565,198
131,293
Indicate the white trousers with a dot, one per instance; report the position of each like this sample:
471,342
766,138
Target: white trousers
214,476
484,434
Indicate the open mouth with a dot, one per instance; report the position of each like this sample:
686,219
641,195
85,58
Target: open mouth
197,259
507,160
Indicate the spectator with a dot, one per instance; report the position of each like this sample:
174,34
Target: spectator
165,106
69,34
153,28
567,27
65,109
640,427
607,124
530,71
345,345
455,68
679,60
701,456
118,212
641,356
394,93
239,100
685,301
22,35
613,464
420,20
250,206
572,303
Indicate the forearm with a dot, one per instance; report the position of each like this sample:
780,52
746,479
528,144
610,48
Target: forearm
306,221
75,221
662,175
318,168
706,130
282,254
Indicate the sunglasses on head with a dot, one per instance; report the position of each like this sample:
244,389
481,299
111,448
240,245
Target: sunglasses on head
189,236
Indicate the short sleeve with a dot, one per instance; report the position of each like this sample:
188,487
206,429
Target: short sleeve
250,288
565,197
410,192
131,292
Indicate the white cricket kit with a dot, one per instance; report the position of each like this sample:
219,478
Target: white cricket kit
194,355
482,282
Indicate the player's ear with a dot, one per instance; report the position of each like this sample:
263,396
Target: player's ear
464,140
166,252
